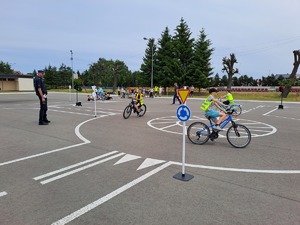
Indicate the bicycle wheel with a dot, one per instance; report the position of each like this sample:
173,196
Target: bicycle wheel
143,110
198,133
127,112
236,110
238,136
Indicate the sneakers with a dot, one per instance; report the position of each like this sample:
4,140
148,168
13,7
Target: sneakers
217,127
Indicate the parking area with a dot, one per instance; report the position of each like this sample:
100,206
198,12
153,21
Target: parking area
82,169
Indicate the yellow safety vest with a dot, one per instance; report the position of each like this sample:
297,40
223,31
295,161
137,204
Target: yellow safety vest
229,97
139,97
206,104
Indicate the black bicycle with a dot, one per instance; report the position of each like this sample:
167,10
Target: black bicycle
131,107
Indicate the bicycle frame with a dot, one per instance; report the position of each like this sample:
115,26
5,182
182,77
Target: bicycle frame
223,123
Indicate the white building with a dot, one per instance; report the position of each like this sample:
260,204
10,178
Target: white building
16,82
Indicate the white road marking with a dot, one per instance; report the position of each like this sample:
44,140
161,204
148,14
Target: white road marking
239,170
109,196
156,122
40,154
269,112
78,134
80,169
73,166
127,158
172,125
283,117
3,193
149,162
75,113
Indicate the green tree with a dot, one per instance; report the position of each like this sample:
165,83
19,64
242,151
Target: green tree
228,67
51,77
164,60
64,76
5,68
223,81
183,52
216,80
201,65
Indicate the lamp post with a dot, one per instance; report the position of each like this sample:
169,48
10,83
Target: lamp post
151,59
72,70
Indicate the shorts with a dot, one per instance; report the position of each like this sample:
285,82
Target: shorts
213,114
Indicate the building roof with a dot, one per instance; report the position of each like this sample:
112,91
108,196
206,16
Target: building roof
15,76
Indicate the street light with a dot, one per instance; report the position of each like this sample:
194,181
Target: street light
72,69
151,59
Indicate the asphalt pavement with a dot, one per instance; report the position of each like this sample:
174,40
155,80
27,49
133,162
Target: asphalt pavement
92,166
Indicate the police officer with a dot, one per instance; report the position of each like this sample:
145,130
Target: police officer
41,92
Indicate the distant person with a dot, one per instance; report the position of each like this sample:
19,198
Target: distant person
213,114
176,94
156,90
41,92
192,89
160,91
151,93
229,98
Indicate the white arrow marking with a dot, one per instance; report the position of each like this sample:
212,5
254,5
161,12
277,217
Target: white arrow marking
149,162
127,158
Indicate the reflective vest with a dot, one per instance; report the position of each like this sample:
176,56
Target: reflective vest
229,97
206,104
139,97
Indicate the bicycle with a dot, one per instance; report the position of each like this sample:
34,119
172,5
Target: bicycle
236,108
131,107
238,135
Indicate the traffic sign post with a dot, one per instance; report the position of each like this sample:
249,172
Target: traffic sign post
183,113
95,99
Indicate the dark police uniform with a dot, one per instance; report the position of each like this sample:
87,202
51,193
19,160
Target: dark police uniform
38,83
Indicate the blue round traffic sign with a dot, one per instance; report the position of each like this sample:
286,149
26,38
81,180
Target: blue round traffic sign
183,113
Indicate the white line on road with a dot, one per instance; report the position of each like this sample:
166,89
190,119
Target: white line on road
269,112
73,166
3,193
80,169
109,196
239,170
78,134
40,154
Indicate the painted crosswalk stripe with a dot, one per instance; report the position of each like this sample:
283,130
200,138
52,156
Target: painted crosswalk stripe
80,169
73,166
109,196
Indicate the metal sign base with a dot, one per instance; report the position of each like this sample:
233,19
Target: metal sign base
280,107
183,177
78,104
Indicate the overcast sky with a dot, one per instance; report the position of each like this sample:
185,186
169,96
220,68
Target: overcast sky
38,33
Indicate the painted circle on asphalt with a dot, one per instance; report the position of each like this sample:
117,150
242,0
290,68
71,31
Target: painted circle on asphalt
171,124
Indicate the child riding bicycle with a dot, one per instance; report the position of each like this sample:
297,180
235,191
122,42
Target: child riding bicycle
139,100
229,98
214,114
